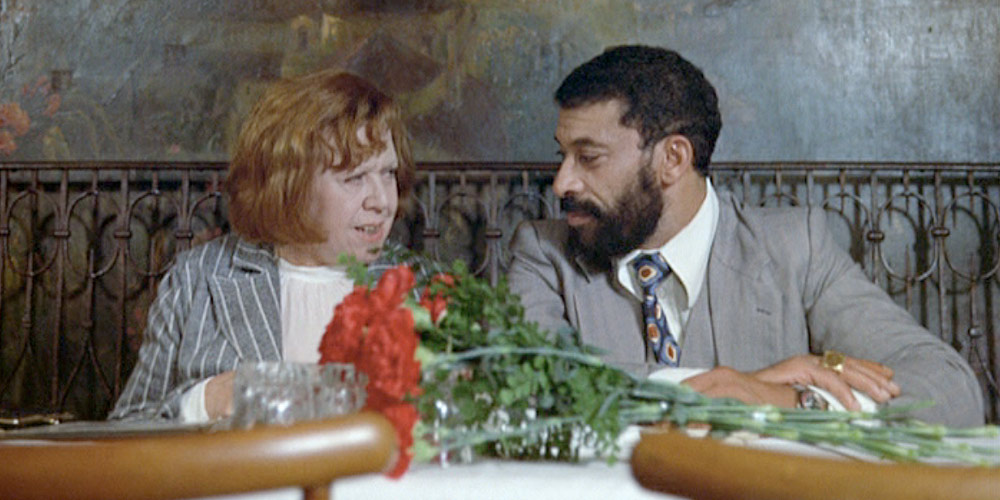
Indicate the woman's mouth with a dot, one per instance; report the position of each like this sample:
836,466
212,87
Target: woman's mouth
371,232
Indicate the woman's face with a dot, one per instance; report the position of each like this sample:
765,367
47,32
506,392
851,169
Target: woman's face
354,208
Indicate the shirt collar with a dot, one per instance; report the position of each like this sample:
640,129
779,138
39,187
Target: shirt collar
687,252
318,274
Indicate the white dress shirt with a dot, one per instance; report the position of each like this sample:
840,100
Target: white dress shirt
687,255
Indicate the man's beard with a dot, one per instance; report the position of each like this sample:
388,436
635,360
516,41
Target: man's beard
620,229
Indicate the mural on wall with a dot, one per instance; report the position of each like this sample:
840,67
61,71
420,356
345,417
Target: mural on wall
147,80
850,80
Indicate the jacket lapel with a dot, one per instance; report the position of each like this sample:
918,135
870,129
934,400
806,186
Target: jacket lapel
739,308
607,316
698,344
245,301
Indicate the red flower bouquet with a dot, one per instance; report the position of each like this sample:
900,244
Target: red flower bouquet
459,368
372,330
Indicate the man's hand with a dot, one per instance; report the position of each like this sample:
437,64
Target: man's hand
219,395
869,377
725,382
773,385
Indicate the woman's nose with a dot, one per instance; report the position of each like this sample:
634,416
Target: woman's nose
377,197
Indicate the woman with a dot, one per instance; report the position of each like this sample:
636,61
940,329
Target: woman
317,172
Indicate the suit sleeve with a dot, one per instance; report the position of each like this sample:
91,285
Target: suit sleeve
849,313
534,276
152,390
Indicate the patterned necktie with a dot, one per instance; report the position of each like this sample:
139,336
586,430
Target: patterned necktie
651,270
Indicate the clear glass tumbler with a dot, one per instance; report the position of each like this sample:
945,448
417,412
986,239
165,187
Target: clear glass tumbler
273,392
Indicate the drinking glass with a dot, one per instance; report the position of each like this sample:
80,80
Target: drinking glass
338,390
274,392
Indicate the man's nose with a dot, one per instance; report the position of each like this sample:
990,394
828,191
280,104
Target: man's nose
567,181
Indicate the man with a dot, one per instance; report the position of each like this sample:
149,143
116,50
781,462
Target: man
747,292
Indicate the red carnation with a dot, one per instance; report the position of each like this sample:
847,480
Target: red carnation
436,303
344,334
403,417
372,330
388,358
392,288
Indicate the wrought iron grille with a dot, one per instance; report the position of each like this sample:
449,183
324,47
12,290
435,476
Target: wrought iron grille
84,244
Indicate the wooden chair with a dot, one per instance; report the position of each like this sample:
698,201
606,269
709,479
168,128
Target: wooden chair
671,462
308,454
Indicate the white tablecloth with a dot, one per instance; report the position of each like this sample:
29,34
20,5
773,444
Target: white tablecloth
496,479
501,480
486,480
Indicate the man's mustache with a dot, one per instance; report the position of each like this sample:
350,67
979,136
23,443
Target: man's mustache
570,204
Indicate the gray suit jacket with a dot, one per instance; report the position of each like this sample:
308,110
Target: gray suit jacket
217,306
777,286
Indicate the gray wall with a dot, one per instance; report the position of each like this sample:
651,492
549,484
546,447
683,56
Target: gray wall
854,80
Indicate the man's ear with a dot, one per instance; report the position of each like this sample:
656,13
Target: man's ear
674,158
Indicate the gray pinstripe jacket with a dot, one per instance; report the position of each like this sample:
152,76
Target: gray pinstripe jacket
217,306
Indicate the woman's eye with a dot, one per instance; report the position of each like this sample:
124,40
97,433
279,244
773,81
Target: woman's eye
390,172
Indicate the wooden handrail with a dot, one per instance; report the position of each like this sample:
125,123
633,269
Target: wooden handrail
671,462
310,455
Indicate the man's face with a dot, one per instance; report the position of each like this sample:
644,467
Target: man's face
606,182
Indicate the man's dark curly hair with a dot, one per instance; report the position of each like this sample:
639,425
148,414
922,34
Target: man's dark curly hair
663,93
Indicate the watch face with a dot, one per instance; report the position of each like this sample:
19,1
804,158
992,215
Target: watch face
809,400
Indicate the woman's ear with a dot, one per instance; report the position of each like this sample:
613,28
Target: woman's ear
674,158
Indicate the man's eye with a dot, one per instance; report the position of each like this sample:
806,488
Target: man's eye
587,158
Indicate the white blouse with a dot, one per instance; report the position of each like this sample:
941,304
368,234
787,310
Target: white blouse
309,295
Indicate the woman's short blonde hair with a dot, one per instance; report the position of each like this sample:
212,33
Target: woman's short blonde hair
299,126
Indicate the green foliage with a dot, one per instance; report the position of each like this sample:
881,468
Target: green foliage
498,384
501,375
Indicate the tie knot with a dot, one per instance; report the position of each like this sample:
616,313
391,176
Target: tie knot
650,269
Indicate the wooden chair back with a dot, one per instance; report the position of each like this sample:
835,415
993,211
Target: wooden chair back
671,462
308,454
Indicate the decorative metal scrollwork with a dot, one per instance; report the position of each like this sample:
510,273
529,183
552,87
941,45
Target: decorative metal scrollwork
83,246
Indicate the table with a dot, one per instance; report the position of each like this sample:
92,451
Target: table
489,479
484,479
